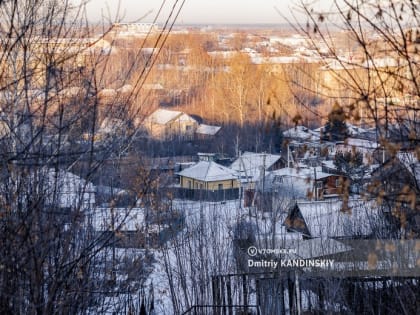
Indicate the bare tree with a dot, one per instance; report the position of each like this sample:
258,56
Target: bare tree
51,72
370,65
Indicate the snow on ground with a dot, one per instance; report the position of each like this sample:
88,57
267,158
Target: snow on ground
202,249
123,219
205,248
125,269
181,271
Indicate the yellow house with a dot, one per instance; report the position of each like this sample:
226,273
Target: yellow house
208,175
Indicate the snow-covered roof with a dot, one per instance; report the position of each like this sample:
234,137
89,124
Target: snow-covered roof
301,132
163,116
380,63
127,88
149,50
209,171
293,172
354,130
296,186
329,164
208,129
351,129
348,63
305,173
341,64
294,39
107,93
282,59
111,125
252,163
152,86
185,117
327,218
222,54
359,144
319,174
68,190
298,180
121,219
292,182
315,247
71,91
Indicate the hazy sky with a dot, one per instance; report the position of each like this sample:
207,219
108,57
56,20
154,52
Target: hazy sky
196,11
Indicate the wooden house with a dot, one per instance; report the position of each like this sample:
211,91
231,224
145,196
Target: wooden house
165,124
301,183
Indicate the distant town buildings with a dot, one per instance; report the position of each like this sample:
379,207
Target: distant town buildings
134,29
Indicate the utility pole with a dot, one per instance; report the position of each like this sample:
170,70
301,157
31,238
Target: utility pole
290,160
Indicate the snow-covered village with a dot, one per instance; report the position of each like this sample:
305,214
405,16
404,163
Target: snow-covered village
222,157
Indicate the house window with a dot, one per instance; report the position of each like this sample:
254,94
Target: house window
278,179
220,186
318,184
189,184
188,128
338,182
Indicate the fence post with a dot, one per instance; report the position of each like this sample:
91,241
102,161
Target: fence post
229,295
214,289
245,292
297,289
222,292
257,289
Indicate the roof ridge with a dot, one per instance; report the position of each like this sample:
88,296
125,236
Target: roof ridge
208,168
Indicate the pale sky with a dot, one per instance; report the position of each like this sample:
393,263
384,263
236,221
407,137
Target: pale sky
195,11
